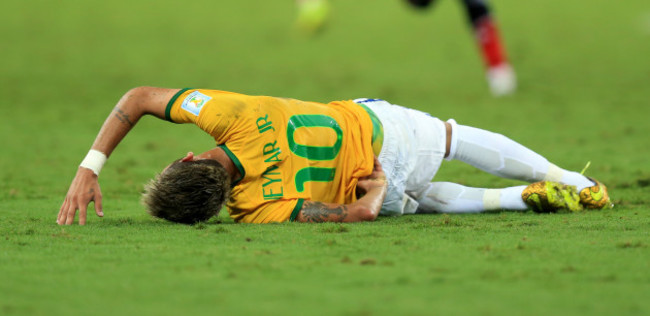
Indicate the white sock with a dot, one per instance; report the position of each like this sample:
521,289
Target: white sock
503,157
447,197
568,177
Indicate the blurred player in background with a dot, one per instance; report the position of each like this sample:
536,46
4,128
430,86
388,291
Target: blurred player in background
313,14
280,159
500,75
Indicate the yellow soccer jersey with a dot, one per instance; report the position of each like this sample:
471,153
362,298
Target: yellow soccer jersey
286,150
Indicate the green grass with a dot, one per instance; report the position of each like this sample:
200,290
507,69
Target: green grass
583,95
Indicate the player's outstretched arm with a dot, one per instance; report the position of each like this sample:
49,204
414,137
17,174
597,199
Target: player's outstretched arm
128,111
373,188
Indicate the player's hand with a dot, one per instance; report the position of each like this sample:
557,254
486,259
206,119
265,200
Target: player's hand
83,190
376,179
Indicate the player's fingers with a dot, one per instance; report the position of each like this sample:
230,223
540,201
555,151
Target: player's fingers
64,207
64,214
58,215
69,216
98,205
82,214
378,164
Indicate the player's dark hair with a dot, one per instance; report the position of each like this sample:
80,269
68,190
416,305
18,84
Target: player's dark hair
188,192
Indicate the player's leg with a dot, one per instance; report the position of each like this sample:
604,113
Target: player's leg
546,196
500,75
503,157
447,197
422,140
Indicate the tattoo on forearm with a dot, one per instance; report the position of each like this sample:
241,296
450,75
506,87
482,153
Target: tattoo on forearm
123,117
317,212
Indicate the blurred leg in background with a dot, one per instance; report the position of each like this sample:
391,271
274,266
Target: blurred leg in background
500,75
313,16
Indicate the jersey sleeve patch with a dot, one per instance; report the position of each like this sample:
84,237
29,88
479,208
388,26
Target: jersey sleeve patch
194,102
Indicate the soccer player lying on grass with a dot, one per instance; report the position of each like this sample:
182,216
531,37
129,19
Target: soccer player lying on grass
280,159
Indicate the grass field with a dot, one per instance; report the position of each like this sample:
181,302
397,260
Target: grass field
584,77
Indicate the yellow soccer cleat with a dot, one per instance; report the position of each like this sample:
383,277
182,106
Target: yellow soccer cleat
595,196
549,196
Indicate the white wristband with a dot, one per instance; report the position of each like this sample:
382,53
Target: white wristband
94,161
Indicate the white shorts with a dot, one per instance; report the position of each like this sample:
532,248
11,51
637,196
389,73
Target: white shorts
412,151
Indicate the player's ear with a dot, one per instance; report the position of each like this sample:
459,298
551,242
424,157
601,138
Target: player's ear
188,157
